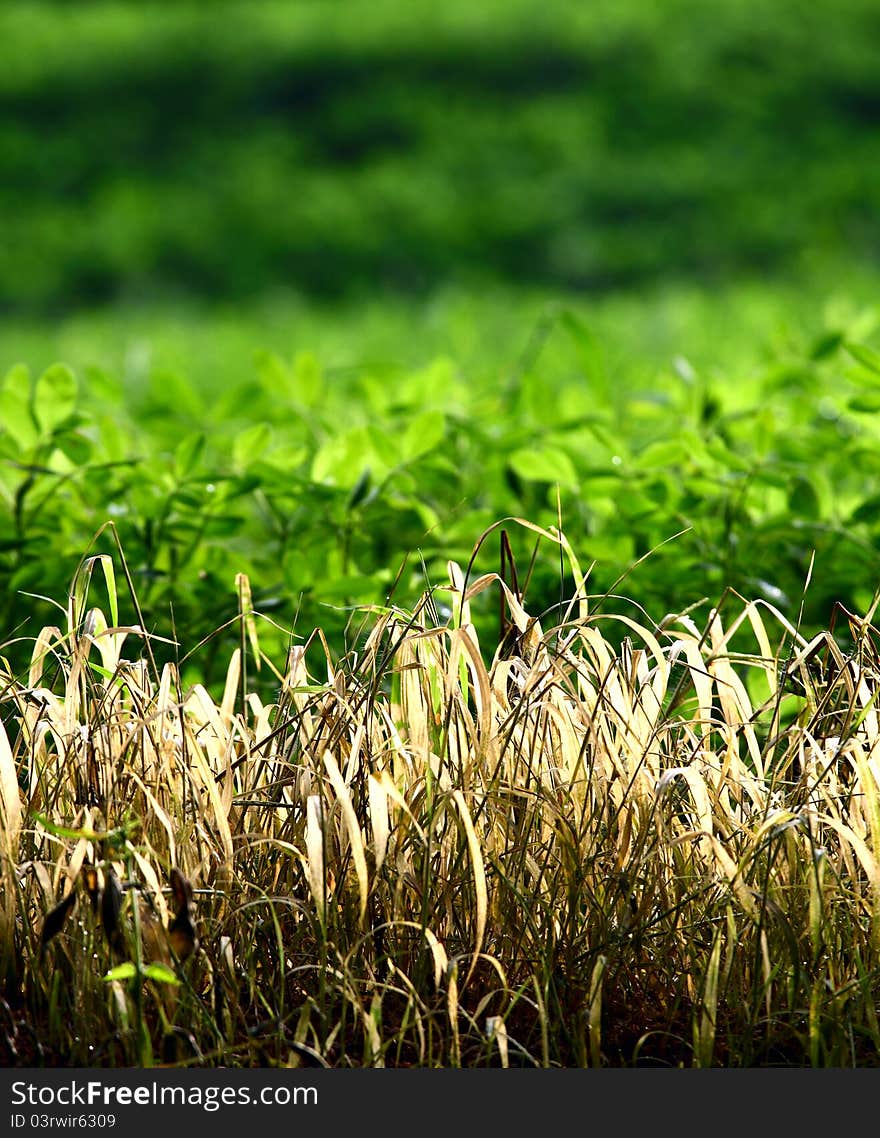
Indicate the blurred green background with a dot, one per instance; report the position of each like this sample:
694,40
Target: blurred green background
330,148
194,195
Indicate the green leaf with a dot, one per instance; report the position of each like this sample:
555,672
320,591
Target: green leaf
126,971
773,476
308,379
105,386
110,581
236,487
86,833
359,491
54,397
868,511
353,589
170,391
188,453
670,452
59,463
17,382
803,501
82,584
251,445
866,403
422,434
588,348
116,442
826,345
161,973
659,490
341,460
274,374
717,449
222,525
633,505
77,447
15,407
544,464
866,356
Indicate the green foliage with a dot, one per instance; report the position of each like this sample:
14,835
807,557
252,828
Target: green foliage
335,492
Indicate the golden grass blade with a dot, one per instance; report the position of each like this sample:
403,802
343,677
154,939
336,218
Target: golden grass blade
700,794
496,1030
465,639
353,829
108,640
734,876
246,608
80,852
10,799
315,867
732,695
767,654
161,816
452,1012
151,881
817,899
387,783
216,819
520,617
10,830
868,863
230,690
480,887
438,952
378,804
46,638
701,679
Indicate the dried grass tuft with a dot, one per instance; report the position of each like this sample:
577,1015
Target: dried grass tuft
606,843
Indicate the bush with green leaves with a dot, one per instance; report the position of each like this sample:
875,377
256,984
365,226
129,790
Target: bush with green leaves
333,492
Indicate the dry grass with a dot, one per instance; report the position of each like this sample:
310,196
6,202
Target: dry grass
616,844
